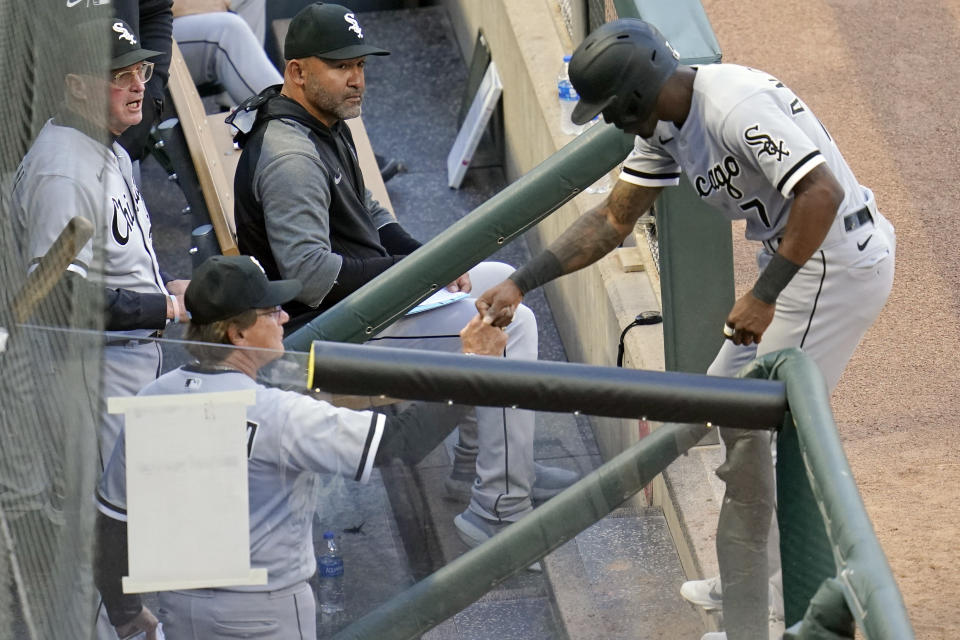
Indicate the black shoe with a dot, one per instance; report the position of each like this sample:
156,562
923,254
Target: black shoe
388,167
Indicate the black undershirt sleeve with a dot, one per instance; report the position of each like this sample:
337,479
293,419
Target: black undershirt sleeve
417,431
356,272
110,565
396,240
122,309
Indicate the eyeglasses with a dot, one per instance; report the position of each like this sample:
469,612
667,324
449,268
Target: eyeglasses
125,79
275,312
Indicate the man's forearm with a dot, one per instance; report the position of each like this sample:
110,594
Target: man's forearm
356,272
122,309
110,565
816,199
417,431
583,243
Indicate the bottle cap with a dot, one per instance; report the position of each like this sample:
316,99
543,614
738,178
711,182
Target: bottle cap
328,535
567,58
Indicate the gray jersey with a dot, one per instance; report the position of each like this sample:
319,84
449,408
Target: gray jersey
290,439
67,173
745,144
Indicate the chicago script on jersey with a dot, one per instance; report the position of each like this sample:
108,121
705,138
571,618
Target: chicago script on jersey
720,177
127,213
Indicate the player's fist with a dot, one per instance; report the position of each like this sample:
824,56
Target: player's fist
748,319
498,304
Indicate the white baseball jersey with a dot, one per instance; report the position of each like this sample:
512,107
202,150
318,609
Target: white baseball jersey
747,141
290,439
67,173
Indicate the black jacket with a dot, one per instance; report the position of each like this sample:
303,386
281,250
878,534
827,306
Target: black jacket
302,180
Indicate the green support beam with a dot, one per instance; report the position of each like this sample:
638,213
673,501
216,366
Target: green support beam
463,581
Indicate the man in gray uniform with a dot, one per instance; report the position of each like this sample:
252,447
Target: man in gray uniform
303,211
756,152
292,438
76,167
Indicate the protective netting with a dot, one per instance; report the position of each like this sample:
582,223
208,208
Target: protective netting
49,382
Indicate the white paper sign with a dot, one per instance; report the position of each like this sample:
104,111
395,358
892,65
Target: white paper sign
484,102
188,515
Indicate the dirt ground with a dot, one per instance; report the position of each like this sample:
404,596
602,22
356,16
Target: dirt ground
878,73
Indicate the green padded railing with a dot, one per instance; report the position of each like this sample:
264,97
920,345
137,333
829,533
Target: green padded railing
826,540
469,241
835,572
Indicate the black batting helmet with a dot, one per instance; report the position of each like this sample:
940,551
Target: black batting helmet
619,70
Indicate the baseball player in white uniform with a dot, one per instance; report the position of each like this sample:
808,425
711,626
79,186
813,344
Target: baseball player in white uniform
291,439
76,167
752,149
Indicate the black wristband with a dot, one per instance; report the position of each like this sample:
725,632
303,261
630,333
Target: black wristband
774,278
541,270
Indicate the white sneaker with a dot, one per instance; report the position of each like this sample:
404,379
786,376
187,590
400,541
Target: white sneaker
704,593
709,595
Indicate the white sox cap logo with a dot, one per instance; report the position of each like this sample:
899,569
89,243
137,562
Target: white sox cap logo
118,27
354,25
259,266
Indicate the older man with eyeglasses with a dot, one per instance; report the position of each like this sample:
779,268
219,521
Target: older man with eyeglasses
76,167
237,329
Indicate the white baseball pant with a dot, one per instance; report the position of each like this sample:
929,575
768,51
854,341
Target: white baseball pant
825,311
220,47
504,437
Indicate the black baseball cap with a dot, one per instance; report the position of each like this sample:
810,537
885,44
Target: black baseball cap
226,286
91,37
125,48
328,31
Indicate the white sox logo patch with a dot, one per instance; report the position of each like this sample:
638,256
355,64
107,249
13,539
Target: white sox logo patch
763,140
354,25
720,177
124,34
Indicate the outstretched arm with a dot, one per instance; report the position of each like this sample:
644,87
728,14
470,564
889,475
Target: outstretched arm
592,236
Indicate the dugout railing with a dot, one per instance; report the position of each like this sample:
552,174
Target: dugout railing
835,573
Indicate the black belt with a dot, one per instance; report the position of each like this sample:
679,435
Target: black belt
854,220
850,222
131,342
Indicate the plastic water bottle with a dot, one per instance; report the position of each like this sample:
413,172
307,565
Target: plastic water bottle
330,576
568,98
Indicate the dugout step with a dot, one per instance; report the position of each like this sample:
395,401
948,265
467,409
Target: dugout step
621,576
